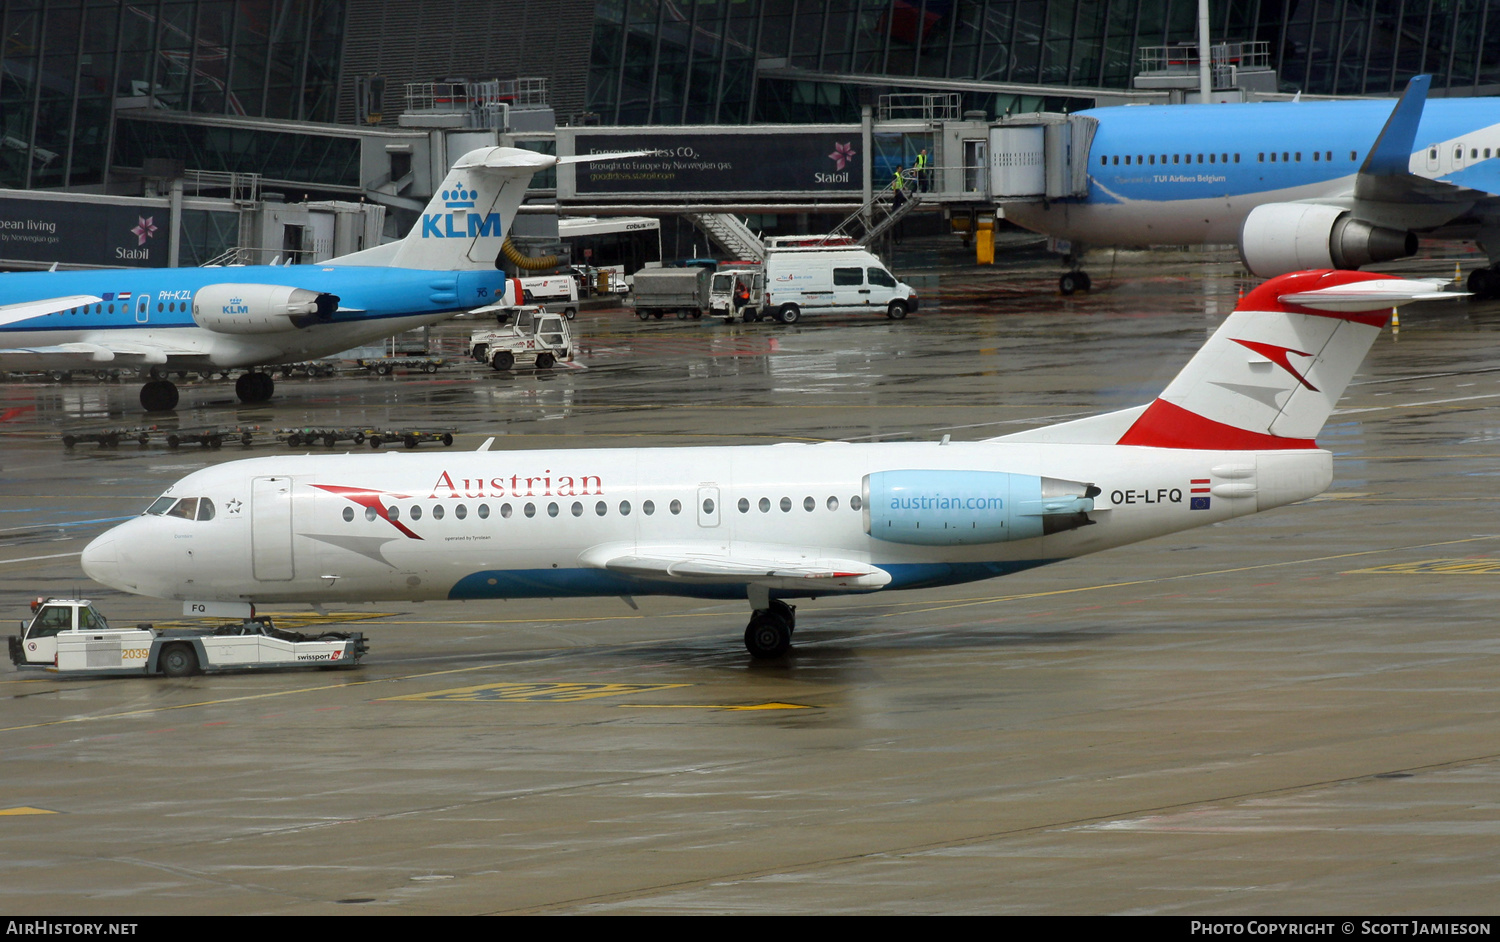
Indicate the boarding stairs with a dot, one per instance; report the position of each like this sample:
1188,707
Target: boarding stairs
732,234
878,216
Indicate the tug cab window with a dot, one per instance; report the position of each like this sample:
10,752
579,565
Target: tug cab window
50,621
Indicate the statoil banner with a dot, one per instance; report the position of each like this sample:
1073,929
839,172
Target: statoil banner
80,233
682,162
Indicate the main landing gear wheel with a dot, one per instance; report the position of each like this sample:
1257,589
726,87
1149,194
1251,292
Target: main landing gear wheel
769,634
1484,284
159,395
254,387
1074,281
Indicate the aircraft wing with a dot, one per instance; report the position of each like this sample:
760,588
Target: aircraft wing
13,313
1386,175
690,563
87,356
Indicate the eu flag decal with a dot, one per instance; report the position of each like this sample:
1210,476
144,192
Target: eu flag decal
1198,503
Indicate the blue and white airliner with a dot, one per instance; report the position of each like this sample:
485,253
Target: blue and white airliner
1297,185
255,316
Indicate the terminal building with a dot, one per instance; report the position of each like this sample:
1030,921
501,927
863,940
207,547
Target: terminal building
294,130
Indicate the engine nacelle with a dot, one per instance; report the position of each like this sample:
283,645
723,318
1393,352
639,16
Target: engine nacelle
1284,237
947,508
260,309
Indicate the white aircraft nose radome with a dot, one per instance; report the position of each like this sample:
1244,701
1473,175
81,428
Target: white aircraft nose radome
101,561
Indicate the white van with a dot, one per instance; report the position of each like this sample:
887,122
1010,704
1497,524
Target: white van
844,280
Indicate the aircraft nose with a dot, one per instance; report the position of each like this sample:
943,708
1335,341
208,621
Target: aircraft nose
101,561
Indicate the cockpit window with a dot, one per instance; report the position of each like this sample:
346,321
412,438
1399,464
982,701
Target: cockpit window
205,509
187,508
160,506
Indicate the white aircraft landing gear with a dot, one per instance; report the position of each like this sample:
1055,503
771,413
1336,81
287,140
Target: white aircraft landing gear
1075,278
769,634
254,387
1072,281
159,395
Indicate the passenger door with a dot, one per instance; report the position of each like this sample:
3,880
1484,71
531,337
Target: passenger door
271,528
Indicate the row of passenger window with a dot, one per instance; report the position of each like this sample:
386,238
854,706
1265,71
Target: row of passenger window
601,508
1286,157
809,504
125,308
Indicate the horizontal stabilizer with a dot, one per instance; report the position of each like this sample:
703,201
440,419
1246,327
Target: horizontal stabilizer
1375,295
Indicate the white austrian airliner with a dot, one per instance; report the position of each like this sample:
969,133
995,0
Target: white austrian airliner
1232,435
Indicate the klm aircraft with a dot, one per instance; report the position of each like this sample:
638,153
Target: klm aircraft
1297,185
255,316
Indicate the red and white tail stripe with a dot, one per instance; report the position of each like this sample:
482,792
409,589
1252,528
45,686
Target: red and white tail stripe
1273,371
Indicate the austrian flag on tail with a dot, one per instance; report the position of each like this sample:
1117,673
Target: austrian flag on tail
1269,377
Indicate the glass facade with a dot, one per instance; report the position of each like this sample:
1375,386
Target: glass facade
715,61
66,67
279,156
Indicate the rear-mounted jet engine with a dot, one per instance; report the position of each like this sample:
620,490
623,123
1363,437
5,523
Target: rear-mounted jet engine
260,309
946,508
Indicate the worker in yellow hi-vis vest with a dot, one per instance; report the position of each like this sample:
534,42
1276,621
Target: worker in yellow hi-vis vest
898,189
923,180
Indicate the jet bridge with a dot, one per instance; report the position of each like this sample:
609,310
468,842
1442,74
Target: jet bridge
1040,156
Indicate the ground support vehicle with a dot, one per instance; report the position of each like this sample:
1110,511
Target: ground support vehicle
411,438
70,636
209,436
310,368
212,436
737,292
661,291
109,437
297,437
532,338
558,293
841,280
385,366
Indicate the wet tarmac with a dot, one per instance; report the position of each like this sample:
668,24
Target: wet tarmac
1292,713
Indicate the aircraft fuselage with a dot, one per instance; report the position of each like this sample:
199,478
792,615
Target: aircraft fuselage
540,523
